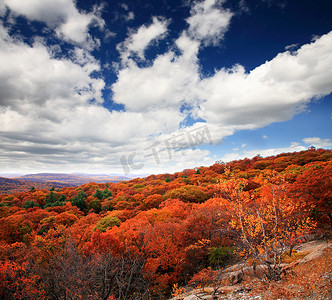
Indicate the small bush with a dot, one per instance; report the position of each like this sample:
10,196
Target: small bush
107,222
95,205
295,256
219,256
30,204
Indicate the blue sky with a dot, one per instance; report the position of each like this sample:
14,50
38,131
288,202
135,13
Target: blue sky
134,87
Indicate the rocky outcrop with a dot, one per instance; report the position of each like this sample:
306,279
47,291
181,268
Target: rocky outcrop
237,273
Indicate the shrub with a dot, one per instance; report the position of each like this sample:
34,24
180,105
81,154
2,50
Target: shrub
107,222
95,205
30,204
219,256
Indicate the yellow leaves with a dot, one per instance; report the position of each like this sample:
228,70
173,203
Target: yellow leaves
267,222
177,291
201,244
261,250
233,224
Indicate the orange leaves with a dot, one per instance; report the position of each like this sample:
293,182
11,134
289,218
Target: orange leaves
14,252
39,196
66,219
105,242
164,246
167,222
269,223
153,201
188,193
314,189
16,282
15,228
207,277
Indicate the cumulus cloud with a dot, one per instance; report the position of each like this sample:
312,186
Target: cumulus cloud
293,147
209,21
2,8
163,153
274,91
130,16
40,93
30,76
61,15
51,111
318,142
167,83
139,40
230,99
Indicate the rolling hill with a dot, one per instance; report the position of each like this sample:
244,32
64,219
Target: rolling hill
47,180
13,185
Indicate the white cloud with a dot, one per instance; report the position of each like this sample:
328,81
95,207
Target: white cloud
291,47
130,16
47,117
144,160
30,76
2,8
61,15
293,147
51,112
231,99
209,21
166,84
244,6
138,41
318,142
273,92
124,6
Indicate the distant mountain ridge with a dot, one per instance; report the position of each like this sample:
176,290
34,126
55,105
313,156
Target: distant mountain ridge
58,180
13,185
73,179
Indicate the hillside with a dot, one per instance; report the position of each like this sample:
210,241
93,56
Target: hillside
13,185
147,237
48,180
315,256
72,179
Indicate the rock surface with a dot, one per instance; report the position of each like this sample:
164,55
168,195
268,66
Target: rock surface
236,272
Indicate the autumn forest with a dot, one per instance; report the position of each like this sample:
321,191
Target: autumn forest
144,238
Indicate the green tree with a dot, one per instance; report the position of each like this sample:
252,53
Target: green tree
98,194
218,256
29,204
62,198
95,205
107,193
79,200
50,199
